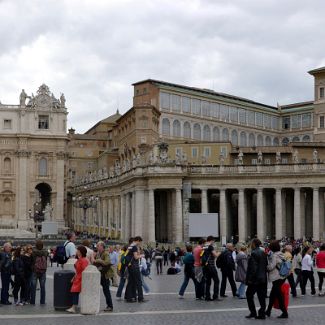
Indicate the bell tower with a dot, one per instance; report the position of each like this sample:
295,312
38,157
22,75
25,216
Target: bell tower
319,103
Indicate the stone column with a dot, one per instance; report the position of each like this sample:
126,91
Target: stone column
242,220
110,215
260,215
321,214
204,201
151,216
169,216
122,216
316,230
128,224
178,217
59,209
297,214
223,214
278,214
139,212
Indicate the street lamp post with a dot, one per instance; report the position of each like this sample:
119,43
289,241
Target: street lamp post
84,203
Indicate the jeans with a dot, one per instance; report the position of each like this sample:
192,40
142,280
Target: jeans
210,274
28,285
185,283
241,290
144,285
42,279
75,298
120,287
250,292
134,286
159,265
308,275
105,284
276,293
292,283
5,279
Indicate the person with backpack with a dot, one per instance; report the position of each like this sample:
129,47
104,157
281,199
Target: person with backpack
5,269
320,264
288,257
208,257
256,279
39,267
307,270
121,270
227,265
19,279
275,260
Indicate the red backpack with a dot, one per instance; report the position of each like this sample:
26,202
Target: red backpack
40,264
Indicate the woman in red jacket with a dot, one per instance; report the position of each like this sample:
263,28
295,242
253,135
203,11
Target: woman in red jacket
80,266
320,264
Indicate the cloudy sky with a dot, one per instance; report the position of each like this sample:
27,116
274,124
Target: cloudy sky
93,50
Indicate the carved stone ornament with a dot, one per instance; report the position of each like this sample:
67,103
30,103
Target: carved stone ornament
163,152
44,99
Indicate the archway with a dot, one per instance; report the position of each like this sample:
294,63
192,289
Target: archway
43,197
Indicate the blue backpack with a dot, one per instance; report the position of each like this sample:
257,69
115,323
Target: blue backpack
60,256
285,268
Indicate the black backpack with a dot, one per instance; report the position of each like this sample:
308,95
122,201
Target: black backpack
220,260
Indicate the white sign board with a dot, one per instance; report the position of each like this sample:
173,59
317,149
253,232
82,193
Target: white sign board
203,224
49,228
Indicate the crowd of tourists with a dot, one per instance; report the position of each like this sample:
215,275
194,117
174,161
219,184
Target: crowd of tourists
247,268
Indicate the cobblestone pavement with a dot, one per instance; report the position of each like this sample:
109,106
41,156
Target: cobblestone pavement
163,307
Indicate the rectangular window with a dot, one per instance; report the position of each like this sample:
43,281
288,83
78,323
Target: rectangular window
321,122
259,119
236,162
275,123
214,109
286,122
164,101
207,152
233,114
306,120
224,113
43,122
251,117
186,104
321,92
194,152
284,161
7,124
176,103
178,151
196,106
254,161
205,108
242,116
268,121
296,121
223,151
267,161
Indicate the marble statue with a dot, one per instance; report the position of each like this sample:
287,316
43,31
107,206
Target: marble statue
222,159
260,157
48,212
62,100
22,98
134,161
315,156
240,158
295,157
278,158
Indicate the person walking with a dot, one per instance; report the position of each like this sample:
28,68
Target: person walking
121,271
134,286
288,257
240,274
256,279
39,267
19,279
103,263
80,266
5,268
307,270
296,264
188,261
158,256
209,269
275,258
198,270
320,264
144,271
227,265
113,255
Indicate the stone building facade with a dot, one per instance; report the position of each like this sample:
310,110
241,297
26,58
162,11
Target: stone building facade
33,142
259,167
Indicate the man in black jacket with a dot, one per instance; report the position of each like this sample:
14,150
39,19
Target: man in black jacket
227,266
256,279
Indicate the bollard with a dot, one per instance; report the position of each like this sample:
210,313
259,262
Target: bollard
90,291
70,264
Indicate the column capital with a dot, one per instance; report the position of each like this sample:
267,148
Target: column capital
316,188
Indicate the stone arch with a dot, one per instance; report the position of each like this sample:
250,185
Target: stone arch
306,138
7,165
176,128
268,141
225,135
43,167
276,141
295,139
216,134
187,130
206,133
197,131
166,127
260,141
243,139
234,137
251,139
285,141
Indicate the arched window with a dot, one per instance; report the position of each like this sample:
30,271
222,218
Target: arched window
234,137
296,139
260,142
243,139
206,133
7,165
166,127
225,135
306,138
7,205
268,141
197,131
285,141
276,141
176,128
42,167
251,139
216,134
187,130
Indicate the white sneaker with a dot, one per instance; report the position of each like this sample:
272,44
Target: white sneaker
72,310
146,293
180,297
